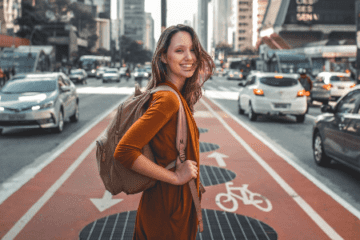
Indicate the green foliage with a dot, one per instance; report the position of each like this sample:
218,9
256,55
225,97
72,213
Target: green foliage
133,52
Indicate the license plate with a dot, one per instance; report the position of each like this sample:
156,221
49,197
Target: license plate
341,87
17,117
281,105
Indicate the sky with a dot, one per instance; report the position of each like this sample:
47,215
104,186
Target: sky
177,12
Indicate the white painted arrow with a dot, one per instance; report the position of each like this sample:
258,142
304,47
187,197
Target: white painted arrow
105,202
219,158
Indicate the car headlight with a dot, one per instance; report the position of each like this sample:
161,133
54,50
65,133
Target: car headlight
2,109
146,74
43,106
93,70
136,74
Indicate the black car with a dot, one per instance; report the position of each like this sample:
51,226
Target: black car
336,133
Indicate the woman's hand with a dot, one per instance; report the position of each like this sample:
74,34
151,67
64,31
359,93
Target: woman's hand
185,171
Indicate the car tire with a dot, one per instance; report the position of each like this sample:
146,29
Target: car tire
60,127
1,130
325,102
75,117
300,118
321,159
252,115
103,81
241,111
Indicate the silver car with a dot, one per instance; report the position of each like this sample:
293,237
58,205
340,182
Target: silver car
340,83
39,100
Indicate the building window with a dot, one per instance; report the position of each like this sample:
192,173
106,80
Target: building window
242,38
242,17
243,9
243,2
242,31
243,24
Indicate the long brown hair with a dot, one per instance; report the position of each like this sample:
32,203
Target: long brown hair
204,65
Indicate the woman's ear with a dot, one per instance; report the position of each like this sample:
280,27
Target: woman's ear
163,58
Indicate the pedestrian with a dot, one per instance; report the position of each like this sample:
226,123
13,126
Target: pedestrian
307,84
2,77
166,211
13,71
128,74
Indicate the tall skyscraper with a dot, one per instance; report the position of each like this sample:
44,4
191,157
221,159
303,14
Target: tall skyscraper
134,19
221,20
244,25
149,32
202,29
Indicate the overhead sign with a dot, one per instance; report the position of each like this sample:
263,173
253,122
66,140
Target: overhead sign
305,10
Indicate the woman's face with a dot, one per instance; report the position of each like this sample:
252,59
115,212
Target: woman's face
180,58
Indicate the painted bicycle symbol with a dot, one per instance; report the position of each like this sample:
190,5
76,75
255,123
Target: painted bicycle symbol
246,196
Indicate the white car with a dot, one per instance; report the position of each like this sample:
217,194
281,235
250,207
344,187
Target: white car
272,93
340,83
111,74
100,71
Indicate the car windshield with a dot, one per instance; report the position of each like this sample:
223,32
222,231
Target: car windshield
340,79
278,82
141,70
76,72
29,85
111,71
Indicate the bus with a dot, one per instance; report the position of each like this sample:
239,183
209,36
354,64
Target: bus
91,62
27,59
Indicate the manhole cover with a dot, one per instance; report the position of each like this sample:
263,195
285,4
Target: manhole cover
203,130
210,175
218,225
207,147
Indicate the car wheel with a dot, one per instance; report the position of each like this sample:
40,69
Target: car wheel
300,118
104,81
241,111
59,128
320,157
325,102
1,130
252,114
75,117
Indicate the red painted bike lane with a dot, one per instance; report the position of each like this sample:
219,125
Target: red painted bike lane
59,201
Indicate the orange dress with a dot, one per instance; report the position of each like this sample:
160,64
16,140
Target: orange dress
165,211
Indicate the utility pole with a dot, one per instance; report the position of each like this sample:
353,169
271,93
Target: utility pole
163,15
357,17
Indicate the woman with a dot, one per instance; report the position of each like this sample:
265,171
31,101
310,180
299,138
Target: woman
166,211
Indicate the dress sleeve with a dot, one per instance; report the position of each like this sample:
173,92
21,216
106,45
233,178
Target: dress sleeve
163,106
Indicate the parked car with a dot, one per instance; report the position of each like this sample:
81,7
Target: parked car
40,100
100,71
78,75
148,70
340,83
321,90
235,75
336,132
272,93
111,74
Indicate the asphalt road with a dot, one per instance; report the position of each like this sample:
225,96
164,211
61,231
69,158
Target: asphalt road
23,151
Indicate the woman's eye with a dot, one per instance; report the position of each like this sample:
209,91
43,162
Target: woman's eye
179,50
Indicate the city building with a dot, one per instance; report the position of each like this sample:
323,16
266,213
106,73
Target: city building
292,24
202,23
149,42
221,21
9,11
261,9
134,20
244,25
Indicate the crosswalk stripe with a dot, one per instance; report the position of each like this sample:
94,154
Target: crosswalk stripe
234,89
223,88
211,88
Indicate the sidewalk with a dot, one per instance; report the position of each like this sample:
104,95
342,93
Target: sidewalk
251,193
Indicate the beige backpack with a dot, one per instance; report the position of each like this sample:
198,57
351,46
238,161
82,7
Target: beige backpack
115,176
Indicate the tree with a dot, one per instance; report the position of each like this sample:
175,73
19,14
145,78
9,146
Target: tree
28,22
133,52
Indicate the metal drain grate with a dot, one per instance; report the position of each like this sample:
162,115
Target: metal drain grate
203,130
207,147
218,225
210,175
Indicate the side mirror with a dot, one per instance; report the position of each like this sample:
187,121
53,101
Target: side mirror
326,109
65,88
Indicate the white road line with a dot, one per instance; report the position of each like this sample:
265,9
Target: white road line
234,89
289,160
291,192
209,87
15,230
28,172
